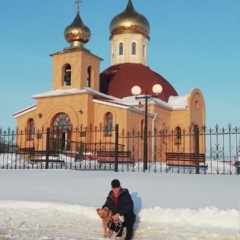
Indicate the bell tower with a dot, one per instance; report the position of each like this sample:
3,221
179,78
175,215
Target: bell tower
75,66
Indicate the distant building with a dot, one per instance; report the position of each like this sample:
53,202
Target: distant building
81,95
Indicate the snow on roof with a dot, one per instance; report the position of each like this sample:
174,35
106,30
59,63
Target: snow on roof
99,94
59,92
178,102
25,110
174,102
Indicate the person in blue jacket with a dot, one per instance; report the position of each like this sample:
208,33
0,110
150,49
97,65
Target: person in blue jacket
120,202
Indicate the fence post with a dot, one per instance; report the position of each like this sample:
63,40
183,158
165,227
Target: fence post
47,147
116,148
196,132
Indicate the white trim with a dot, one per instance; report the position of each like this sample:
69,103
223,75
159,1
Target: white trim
72,91
110,104
24,111
59,92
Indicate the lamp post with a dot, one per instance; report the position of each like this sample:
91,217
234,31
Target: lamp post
136,91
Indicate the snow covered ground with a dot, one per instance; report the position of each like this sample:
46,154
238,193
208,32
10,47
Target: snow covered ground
60,204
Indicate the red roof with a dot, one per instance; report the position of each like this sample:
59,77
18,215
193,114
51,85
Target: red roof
118,81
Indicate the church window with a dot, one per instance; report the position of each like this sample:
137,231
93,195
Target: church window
178,137
196,105
134,46
89,77
67,75
31,128
112,51
62,121
120,48
109,123
144,50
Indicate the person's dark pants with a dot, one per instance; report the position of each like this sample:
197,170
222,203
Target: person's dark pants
129,220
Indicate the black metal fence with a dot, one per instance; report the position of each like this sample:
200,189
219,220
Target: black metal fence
195,150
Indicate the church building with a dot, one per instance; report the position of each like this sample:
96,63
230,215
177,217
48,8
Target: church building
81,95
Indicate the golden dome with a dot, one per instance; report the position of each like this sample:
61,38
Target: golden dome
129,21
77,33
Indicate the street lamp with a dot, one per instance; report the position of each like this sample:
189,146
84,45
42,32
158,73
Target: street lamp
136,91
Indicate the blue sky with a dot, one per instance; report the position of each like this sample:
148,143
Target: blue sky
193,43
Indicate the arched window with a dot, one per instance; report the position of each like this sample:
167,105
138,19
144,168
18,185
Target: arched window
89,77
178,137
109,123
112,51
196,104
120,48
134,46
62,121
31,128
67,75
144,50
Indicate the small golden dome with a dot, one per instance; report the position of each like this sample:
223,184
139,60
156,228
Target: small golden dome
129,21
77,31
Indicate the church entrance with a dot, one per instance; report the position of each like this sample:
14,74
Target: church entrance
61,135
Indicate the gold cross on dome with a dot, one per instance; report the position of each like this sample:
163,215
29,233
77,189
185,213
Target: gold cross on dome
77,2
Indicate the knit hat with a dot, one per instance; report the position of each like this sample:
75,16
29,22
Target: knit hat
115,183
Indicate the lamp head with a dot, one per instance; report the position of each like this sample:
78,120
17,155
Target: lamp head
136,90
157,89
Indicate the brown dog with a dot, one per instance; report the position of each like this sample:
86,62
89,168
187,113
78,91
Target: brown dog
106,215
